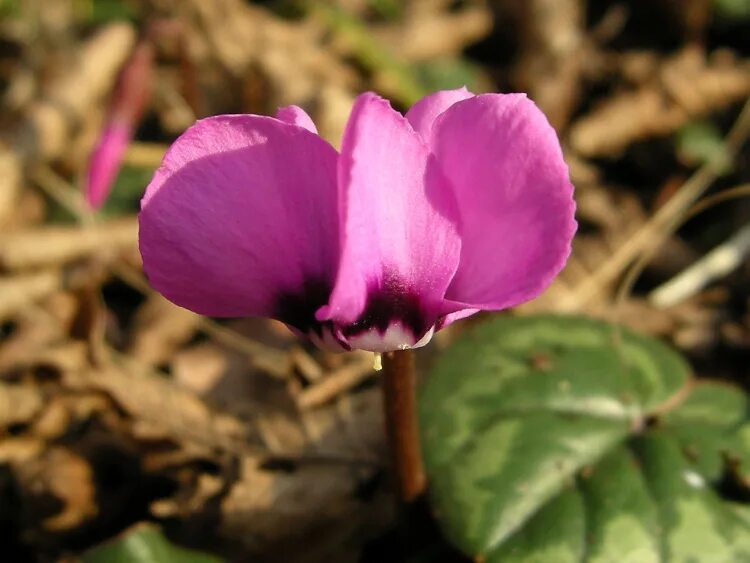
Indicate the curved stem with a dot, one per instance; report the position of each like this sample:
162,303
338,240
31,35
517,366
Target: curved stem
399,395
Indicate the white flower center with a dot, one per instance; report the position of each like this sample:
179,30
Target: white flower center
394,338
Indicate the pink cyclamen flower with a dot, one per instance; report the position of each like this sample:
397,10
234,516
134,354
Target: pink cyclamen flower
464,204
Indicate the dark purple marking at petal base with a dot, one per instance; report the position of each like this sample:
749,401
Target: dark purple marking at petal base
391,302
298,309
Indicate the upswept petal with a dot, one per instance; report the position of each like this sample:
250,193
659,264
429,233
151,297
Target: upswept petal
241,219
400,245
295,115
423,113
457,315
504,162
104,162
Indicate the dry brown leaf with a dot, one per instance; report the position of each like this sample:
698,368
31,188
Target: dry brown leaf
689,85
18,450
38,331
65,409
288,54
337,382
311,513
552,40
427,30
304,516
30,208
11,178
66,476
190,502
18,404
167,409
89,78
159,329
310,369
199,368
53,245
18,291
64,358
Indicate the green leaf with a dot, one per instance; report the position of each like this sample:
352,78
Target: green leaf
699,142
529,434
99,12
10,8
387,9
623,517
123,198
711,403
738,454
554,535
449,73
696,524
704,447
733,10
127,191
398,77
706,425
485,494
144,544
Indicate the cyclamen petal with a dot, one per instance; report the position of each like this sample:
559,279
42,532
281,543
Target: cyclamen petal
504,163
295,115
239,220
423,114
462,205
399,238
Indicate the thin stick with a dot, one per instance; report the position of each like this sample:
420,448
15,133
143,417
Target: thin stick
661,222
399,394
637,268
716,264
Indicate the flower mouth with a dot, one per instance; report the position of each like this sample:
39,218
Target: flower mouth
394,317
390,302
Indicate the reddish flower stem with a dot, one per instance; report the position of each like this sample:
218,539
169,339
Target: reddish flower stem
399,394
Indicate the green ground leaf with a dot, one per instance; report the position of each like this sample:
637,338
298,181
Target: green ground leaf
622,515
127,191
711,403
144,544
707,426
449,73
398,78
554,535
699,142
524,420
733,10
696,524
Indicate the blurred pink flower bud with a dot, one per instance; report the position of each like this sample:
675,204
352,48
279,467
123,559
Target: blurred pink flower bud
131,94
105,162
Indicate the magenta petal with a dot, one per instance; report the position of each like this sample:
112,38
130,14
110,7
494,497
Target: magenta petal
240,219
104,163
423,114
456,316
511,183
400,245
295,115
